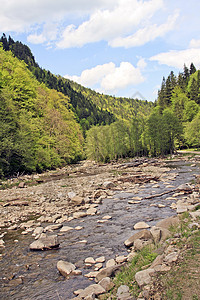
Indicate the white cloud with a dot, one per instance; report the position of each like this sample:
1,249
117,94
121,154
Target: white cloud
22,15
194,43
141,63
177,59
108,24
109,77
146,34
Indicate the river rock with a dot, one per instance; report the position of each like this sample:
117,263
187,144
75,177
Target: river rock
101,259
79,214
96,289
110,263
140,244
65,268
90,260
66,228
38,231
91,211
144,277
71,195
168,222
53,227
143,235
45,243
156,233
121,259
107,272
141,225
184,187
171,257
106,283
2,243
78,200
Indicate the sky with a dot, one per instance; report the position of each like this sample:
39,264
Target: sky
116,47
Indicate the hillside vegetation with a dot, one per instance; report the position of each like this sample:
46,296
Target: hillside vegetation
38,129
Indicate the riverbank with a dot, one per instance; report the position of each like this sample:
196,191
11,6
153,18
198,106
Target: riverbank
92,209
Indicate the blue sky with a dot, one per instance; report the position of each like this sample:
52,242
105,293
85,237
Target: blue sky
117,47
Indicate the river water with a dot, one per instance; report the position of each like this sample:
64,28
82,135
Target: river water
40,278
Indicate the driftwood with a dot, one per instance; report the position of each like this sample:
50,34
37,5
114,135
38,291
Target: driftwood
158,195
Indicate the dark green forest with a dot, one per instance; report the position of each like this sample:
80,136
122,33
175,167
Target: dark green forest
48,121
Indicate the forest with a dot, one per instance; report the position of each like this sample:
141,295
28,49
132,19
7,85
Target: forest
48,121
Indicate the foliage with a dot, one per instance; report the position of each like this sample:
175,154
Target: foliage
37,127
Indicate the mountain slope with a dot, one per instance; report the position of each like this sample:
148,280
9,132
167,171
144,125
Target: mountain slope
38,129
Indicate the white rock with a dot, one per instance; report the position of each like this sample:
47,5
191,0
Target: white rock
65,268
66,228
100,259
144,277
110,263
90,260
141,225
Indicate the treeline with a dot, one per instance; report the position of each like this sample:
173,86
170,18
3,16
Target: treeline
86,111
155,135
173,123
38,129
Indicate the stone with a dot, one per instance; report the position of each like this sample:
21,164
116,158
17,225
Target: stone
77,200
38,231
45,243
107,217
65,268
21,184
90,297
91,211
143,235
78,227
121,259
108,184
71,195
77,272
168,222
107,272
2,243
101,259
141,225
172,257
91,274
110,263
156,233
53,227
139,244
184,187
90,260
66,228
195,214
79,214
98,266
96,289
122,289
106,283
157,261
144,277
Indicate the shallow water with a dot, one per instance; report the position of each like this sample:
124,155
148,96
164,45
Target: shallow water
41,280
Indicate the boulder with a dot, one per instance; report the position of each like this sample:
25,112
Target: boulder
144,277
65,268
108,272
96,289
139,244
142,235
106,283
168,222
78,201
45,243
91,211
110,263
141,225
156,233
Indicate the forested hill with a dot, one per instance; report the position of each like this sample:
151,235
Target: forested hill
123,108
38,129
91,108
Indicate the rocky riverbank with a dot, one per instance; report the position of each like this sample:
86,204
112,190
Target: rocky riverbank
61,196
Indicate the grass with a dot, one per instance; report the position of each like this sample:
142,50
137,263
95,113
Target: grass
127,275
